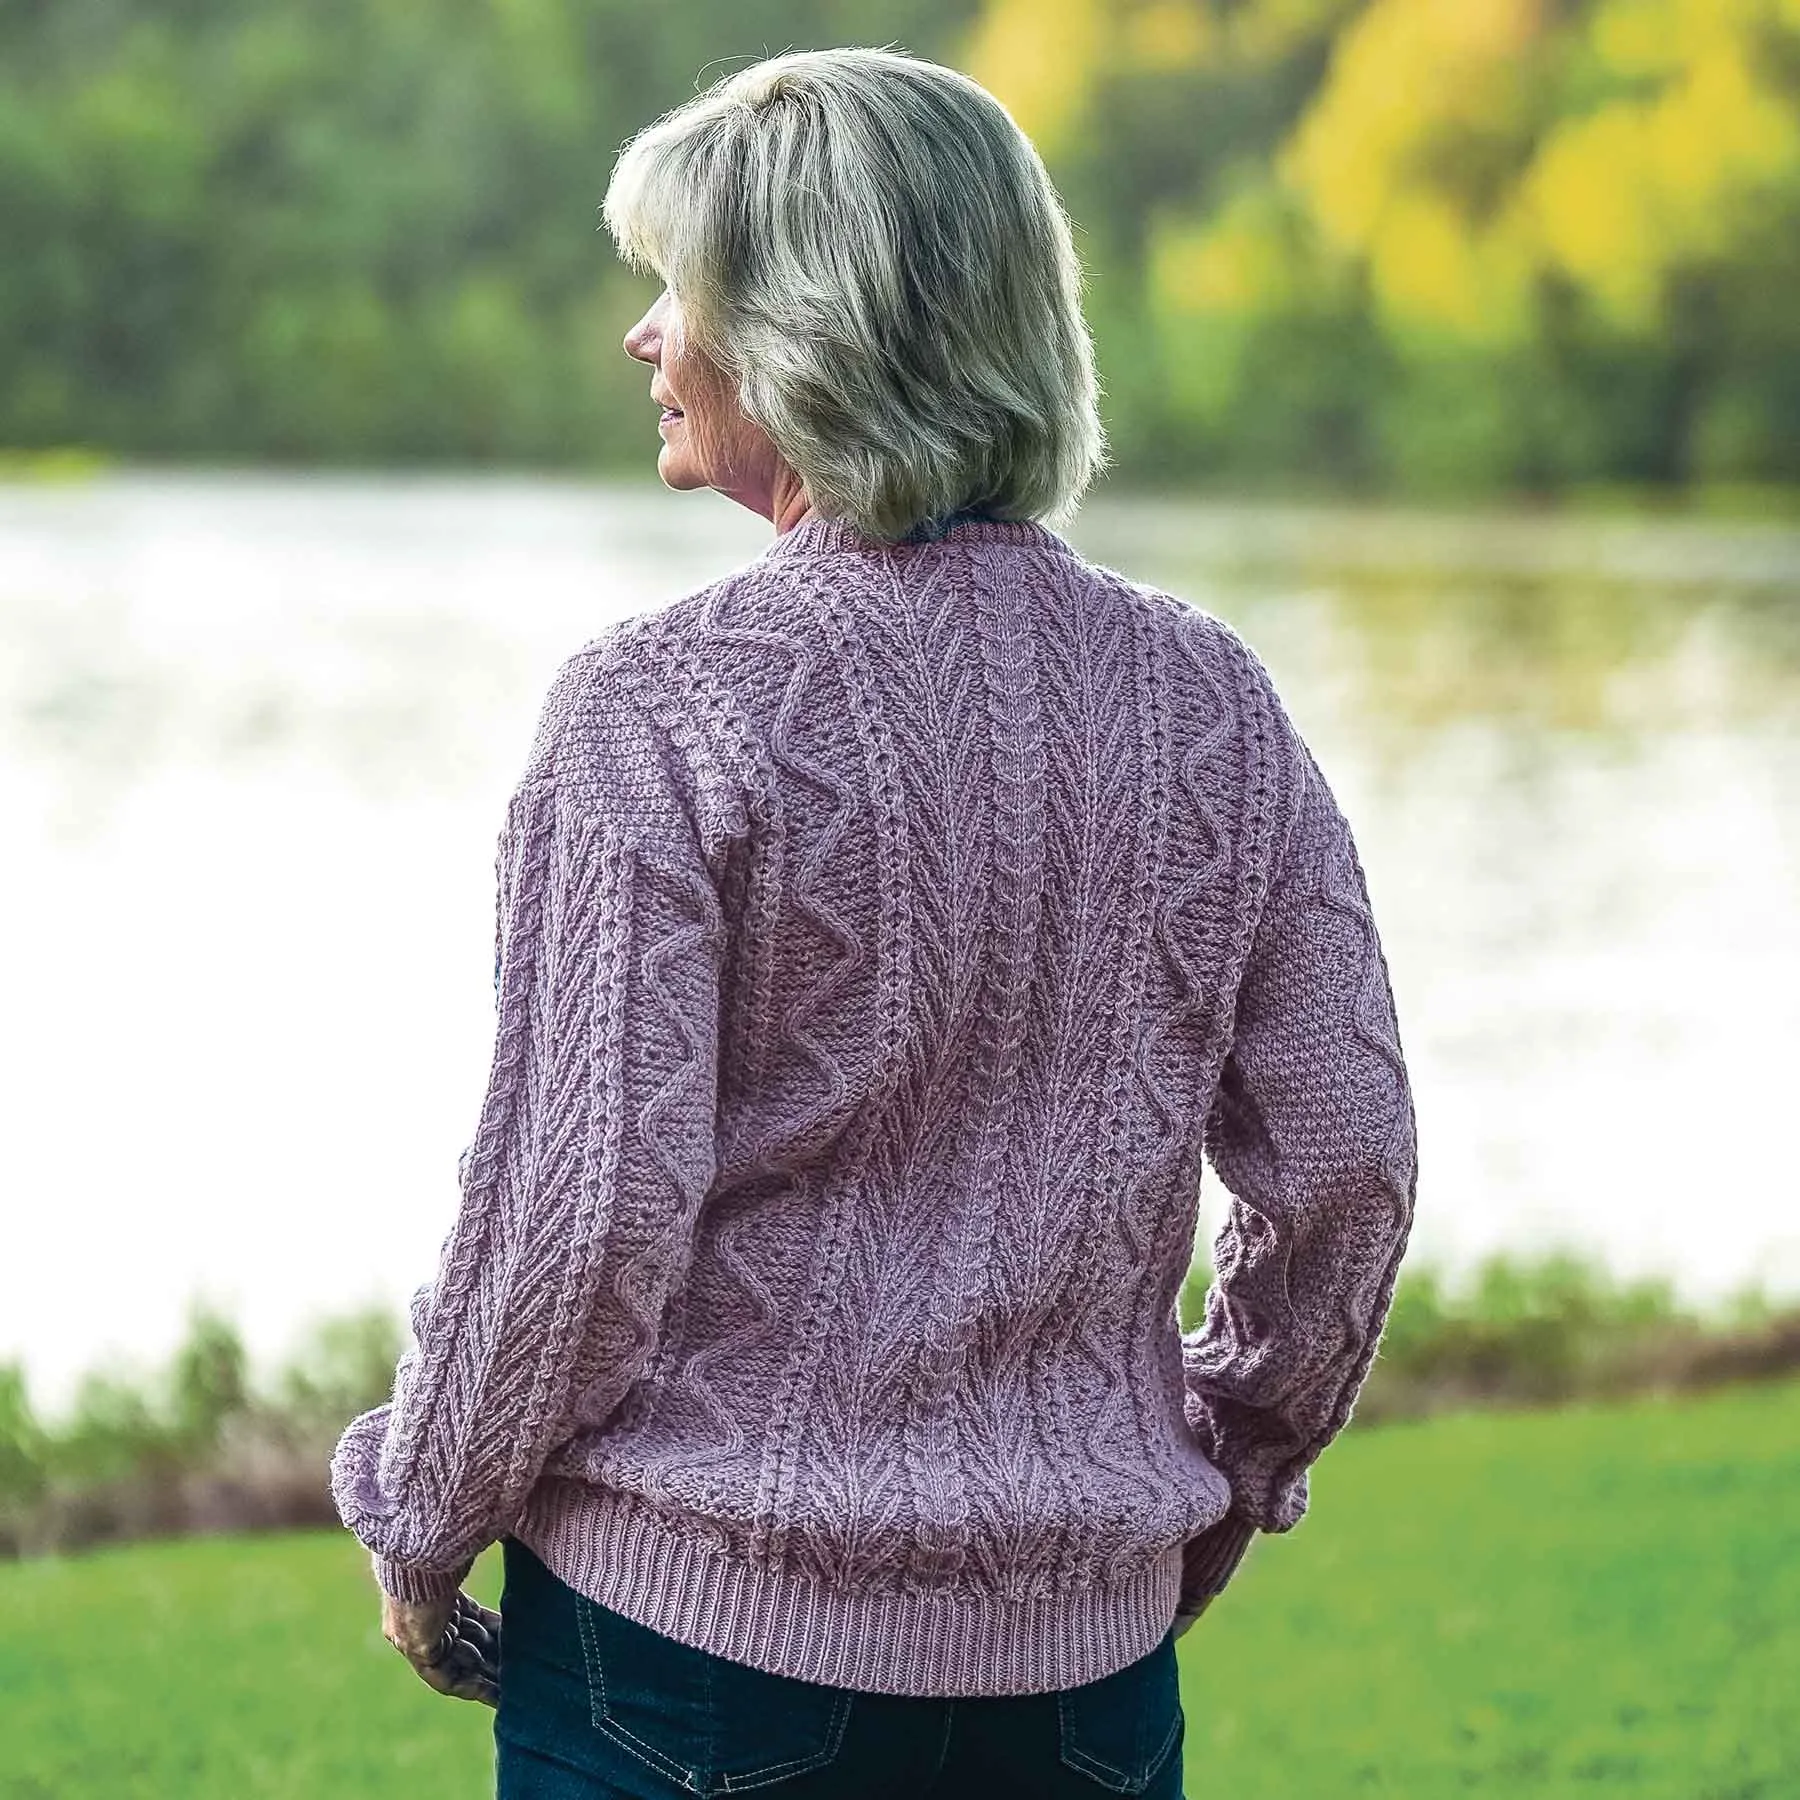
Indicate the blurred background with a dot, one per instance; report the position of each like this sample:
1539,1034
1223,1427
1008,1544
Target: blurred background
1451,351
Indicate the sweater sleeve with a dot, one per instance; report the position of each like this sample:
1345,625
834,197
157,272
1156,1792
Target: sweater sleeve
1312,1133
592,1153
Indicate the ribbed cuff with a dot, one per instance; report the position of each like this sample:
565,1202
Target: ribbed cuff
1209,1561
404,1581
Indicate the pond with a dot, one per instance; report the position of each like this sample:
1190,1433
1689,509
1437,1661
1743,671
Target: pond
259,731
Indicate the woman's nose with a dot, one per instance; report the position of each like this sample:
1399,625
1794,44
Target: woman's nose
644,339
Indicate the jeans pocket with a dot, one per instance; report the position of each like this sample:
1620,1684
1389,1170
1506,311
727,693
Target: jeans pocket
711,1725
1121,1729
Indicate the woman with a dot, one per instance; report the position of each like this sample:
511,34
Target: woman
884,931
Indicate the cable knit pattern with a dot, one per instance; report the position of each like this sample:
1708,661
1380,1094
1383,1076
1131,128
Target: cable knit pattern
885,933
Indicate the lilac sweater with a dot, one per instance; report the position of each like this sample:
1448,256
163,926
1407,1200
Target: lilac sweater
884,931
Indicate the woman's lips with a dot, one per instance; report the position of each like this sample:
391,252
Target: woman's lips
668,413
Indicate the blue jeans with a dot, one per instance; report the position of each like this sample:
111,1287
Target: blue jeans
594,1706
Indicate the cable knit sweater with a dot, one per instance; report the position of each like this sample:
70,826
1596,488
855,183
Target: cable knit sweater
884,933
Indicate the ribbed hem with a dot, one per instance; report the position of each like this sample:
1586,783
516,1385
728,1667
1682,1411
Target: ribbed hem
1210,1559
402,1581
620,1552
821,536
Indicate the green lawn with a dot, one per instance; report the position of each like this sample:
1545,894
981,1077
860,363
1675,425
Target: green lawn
1594,1601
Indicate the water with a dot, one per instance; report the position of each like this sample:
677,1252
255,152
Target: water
259,731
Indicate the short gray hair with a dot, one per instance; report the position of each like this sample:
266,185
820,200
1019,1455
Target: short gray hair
871,247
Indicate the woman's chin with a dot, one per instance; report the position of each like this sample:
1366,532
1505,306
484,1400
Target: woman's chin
677,469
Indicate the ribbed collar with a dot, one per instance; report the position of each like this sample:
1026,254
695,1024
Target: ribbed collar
816,536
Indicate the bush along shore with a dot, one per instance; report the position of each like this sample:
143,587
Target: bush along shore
200,1446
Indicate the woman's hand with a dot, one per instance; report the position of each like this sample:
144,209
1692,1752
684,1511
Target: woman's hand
453,1644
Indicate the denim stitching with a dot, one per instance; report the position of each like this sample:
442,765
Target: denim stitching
595,1674
709,1733
1175,1725
1104,1772
610,1727
698,1781
834,1738
1077,1758
944,1747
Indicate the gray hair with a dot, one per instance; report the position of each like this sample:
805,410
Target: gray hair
871,248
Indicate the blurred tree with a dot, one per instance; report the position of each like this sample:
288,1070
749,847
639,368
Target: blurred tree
1427,244
345,1367
23,1447
1441,244
208,1383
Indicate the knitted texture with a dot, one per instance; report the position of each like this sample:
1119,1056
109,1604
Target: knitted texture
885,932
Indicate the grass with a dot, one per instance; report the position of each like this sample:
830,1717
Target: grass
1591,1601
221,1669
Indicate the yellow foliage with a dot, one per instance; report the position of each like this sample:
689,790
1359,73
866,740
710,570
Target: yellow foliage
1662,37
1719,130
1636,37
1430,270
1171,34
1270,29
1425,104
1403,72
1619,197
1237,262
1037,58
1595,215
1423,263
1409,76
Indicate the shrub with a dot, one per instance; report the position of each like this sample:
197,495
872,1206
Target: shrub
201,1447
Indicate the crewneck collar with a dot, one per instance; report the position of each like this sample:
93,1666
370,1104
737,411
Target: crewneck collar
817,536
